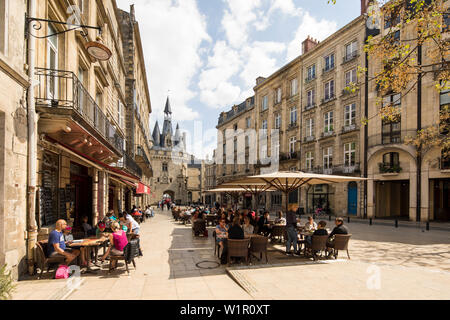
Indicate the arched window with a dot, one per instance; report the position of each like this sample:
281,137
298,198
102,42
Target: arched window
391,159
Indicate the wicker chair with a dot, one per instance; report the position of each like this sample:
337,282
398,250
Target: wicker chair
238,249
341,243
43,261
318,245
130,252
258,245
198,228
278,231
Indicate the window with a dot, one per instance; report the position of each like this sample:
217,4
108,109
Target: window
351,51
311,73
391,160
265,103
309,160
165,168
235,127
446,22
328,122
391,131
294,87
293,197
329,90
276,199
278,96
120,114
293,116
350,115
350,154
99,99
249,122
278,121
4,26
310,127
292,142
350,77
52,62
391,21
329,62
328,158
264,125
311,98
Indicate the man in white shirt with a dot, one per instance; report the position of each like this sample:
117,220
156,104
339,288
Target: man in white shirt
130,222
311,225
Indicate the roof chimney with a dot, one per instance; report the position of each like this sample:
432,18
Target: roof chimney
309,44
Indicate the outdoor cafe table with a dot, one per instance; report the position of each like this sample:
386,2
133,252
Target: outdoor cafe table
89,244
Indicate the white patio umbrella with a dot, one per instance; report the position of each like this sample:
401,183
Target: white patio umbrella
287,182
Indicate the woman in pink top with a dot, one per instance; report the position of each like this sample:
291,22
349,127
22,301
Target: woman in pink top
118,241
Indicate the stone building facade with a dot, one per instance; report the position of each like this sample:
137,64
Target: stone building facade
402,184
13,136
83,167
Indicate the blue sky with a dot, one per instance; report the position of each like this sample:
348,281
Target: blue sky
208,53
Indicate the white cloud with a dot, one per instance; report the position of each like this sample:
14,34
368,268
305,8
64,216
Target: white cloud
260,60
237,18
172,33
215,86
309,27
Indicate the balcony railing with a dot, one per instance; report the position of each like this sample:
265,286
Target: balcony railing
309,139
289,156
128,163
309,79
310,106
388,138
62,90
349,57
328,99
140,152
349,128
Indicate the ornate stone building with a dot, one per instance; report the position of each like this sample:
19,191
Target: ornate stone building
169,161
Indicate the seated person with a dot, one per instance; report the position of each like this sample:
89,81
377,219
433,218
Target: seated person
310,225
100,229
109,218
321,231
280,220
118,241
87,228
339,229
68,237
57,245
234,233
263,224
221,232
247,227
129,222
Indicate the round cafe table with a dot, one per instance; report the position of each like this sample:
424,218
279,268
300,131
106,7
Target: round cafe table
88,244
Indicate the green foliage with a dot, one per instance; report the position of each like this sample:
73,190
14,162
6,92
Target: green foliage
6,284
384,168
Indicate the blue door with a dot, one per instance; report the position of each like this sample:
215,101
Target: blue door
352,199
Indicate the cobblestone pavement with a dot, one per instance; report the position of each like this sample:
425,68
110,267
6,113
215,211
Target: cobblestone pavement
412,265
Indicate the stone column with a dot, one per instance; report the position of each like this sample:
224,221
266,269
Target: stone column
371,198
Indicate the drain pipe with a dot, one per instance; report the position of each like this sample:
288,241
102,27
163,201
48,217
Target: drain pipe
31,234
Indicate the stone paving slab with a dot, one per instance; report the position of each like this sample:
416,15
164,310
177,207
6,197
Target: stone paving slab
169,270
343,280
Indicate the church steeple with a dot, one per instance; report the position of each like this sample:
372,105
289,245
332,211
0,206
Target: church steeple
156,135
168,109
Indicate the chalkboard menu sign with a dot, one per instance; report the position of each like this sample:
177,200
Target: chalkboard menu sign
48,193
62,203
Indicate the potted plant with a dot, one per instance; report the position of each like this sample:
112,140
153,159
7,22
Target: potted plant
6,283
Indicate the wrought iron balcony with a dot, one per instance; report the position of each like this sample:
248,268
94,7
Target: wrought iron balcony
289,156
349,57
349,128
129,164
61,92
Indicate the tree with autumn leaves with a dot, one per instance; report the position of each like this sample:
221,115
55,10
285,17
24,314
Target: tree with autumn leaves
401,65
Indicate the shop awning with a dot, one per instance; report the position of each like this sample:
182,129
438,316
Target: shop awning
125,176
142,189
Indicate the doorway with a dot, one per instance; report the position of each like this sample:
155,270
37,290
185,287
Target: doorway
441,202
352,199
392,199
81,182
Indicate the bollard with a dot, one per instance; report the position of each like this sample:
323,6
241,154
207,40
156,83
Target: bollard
348,219
396,223
370,221
428,226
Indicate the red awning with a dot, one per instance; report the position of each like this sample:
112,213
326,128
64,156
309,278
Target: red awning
143,189
128,183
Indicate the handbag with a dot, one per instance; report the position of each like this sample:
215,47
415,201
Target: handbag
62,272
